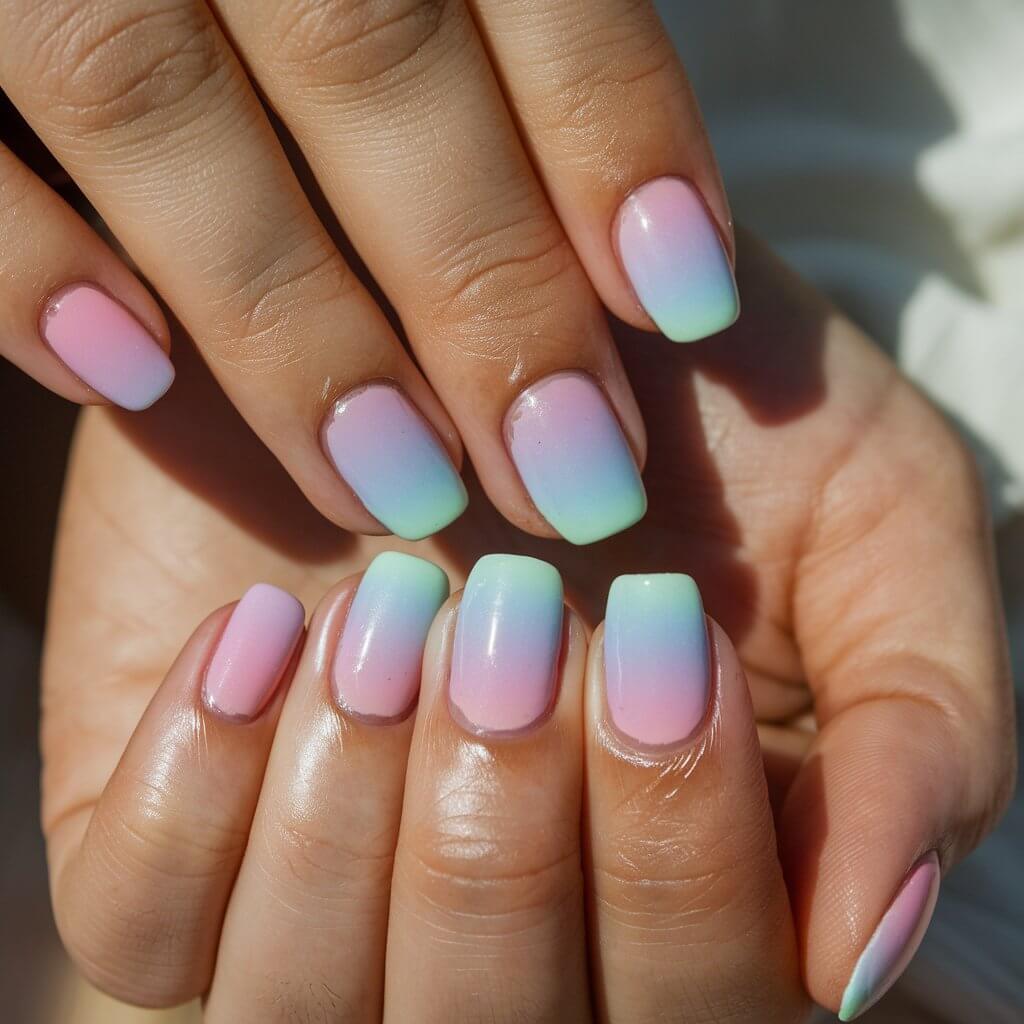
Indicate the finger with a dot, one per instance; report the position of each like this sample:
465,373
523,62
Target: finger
689,914
305,932
616,135
140,885
898,615
153,116
397,107
486,907
75,317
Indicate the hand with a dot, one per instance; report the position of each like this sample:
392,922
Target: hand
484,159
837,534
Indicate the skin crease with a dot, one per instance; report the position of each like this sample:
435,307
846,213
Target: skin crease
788,486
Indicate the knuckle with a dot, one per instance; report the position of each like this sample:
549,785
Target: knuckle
514,273
252,325
119,65
487,867
325,44
301,853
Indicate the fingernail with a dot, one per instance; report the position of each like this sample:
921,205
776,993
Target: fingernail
100,342
656,664
390,456
573,458
675,260
377,667
894,942
254,650
507,640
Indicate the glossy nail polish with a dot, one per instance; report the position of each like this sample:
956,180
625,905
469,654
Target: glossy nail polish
254,650
377,666
573,458
105,346
895,940
656,663
675,260
507,642
392,458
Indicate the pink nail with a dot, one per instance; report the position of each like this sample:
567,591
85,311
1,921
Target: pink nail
380,655
507,640
895,940
105,346
253,652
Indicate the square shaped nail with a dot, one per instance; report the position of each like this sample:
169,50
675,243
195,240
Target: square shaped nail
389,455
508,637
105,346
573,458
656,663
675,260
376,672
253,652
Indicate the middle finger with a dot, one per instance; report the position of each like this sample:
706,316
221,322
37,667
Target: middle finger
400,113
487,894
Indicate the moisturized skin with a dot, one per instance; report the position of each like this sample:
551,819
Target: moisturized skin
574,459
105,346
895,940
675,260
253,652
377,666
507,641
390,456
657,669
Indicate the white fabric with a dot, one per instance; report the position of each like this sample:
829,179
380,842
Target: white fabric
879,146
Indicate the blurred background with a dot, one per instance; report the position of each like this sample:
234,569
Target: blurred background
879,146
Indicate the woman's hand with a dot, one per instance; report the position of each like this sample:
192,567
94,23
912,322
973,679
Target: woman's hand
836,531
501,167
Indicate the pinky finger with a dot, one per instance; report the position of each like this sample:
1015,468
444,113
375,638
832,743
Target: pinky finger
74,317
140,885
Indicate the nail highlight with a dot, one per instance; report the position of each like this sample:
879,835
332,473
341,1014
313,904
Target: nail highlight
377,666
573,458
656,663
105,346
674,257
507,641
254,650
896,939
390,456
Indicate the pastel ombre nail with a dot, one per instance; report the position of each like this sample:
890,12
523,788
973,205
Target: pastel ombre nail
896,939
105,346
253,652
377,666
656,664
394,461
573,458
507,641
674,257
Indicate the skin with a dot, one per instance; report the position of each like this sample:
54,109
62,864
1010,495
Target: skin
445,137
837,532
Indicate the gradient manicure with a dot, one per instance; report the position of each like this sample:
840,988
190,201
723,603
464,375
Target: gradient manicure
507,642
105,346
895,940
675,260
656,665
254,650
391,457
377,667
574,459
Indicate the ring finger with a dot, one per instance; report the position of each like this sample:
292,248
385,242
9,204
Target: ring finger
304,935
